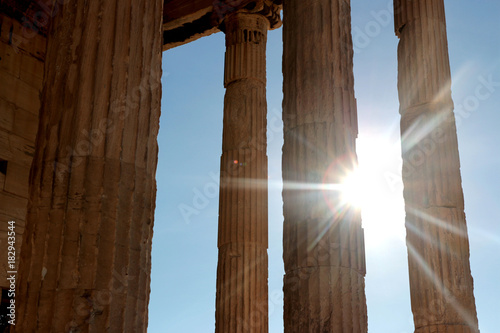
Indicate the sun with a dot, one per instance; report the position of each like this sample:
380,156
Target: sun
375,187
353,189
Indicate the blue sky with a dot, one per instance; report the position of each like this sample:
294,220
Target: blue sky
185,238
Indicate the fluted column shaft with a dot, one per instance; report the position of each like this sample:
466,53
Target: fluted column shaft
242,290
438,249
323,239
85,263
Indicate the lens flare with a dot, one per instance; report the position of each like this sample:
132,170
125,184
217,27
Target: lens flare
352,189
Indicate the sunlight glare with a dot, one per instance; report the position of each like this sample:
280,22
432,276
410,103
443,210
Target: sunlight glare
353,189
367,187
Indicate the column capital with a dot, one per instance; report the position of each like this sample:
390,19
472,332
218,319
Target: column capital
268,8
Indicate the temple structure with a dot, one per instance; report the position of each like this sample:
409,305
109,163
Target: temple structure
242,291
79,117
322,237
438,247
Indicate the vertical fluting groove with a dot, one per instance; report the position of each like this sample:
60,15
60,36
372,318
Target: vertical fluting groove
92,185
323,240
102,92
241,298
137,203
113,169
125,188
441,283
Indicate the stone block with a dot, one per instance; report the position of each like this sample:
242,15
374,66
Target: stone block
6,115
31,71
10,61
16,179
15,148
25,124
14,206
19,93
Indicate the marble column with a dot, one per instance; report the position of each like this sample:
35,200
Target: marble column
86,253
242,289
441,283
323,238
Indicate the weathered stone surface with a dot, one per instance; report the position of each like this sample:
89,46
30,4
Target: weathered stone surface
21,69
438,249
86,255
86,252
323,239
242,291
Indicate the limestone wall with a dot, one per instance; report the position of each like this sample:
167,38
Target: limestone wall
21,74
